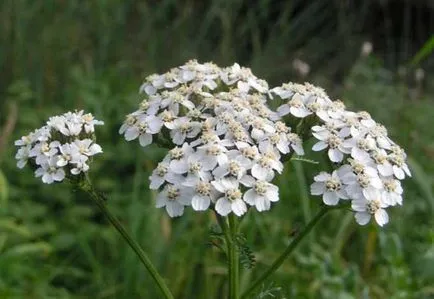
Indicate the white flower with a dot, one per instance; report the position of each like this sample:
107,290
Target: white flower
80,166
43,151
296,143
371,205
22,156
382,163
330,187
212,155
204,194
26,140
360,146
174,198
172,100
276,140
295,106
357,184
400,168
331,140
283,92
161,174
144,127
50,172
264,167
236,166
182,128
67,154
90,122
231,201
192,166
85,147
261,195
392,192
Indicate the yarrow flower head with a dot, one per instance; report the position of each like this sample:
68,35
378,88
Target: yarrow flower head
369,165
227,144
62,148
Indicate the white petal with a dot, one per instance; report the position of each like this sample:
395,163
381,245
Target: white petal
250,197
262,204
155,182
131,133
362,218
174,209
247,180
259,172
317,188
145,139
322,177
399,173
381,217
335,155
223,206
179,166
385,169
319,146
200,203
239,207
330,198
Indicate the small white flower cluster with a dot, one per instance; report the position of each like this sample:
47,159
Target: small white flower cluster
227,143
62,147
369,164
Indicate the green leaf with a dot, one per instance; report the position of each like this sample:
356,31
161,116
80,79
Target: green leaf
28,249
426,50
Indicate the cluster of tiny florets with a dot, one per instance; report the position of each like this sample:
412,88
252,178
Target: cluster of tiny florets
369,165
227,143
63,147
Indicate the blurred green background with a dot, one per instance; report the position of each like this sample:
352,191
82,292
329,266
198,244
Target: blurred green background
60,55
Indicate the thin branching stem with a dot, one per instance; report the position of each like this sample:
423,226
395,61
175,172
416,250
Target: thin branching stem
98,199
279,261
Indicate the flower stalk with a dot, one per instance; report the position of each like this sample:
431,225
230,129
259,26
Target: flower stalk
234,262
279,261
98,199
229,226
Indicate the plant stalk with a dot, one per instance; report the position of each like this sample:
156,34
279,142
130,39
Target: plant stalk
279,261
98,199
234,263
229,226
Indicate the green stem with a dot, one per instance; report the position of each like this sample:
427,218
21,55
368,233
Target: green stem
234,264
279,261
98,199
230,230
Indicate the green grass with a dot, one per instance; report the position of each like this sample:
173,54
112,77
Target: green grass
93,55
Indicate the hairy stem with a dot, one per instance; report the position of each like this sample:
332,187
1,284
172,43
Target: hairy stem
234,264
279,261
229,227
98,199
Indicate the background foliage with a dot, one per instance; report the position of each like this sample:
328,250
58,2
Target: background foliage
60,55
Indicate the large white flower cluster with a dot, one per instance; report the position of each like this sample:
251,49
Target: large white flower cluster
227,143
63,146
369,165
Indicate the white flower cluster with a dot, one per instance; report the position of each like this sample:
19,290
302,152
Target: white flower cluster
369,164
227,144
62,147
